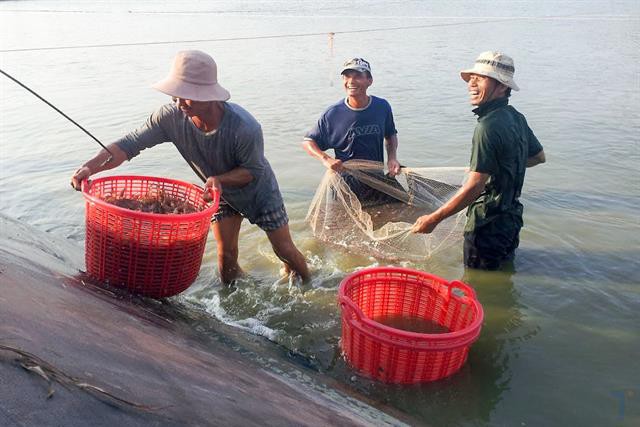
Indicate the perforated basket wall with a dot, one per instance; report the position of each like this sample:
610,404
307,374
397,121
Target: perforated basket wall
155,255
397,356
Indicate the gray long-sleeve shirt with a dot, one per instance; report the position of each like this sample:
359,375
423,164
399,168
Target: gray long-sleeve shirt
237,142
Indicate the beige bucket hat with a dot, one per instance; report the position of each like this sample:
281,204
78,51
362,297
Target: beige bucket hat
496,65
193,76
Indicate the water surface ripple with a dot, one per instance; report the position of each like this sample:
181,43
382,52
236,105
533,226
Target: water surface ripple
560,340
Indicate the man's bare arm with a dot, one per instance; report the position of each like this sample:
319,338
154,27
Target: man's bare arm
311,147
469,192
101,162
391,144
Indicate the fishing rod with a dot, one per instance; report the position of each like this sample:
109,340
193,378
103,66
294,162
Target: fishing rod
58,110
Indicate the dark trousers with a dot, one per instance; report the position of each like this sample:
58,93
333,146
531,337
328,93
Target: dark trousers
488,248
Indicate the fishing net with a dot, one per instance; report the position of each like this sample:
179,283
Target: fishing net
369,212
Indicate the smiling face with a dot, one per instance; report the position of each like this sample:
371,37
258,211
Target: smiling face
483,89
356,83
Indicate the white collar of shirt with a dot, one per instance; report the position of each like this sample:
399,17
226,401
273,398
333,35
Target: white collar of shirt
358,109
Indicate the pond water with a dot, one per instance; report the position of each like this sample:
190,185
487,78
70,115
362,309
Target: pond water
560,342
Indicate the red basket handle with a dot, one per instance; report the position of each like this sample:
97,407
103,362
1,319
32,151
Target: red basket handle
84,185
215,197
212,193
346,303
466,289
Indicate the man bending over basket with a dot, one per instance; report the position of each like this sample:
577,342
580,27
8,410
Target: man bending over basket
223,144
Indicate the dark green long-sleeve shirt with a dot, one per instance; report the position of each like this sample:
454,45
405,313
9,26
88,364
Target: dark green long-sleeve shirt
502,143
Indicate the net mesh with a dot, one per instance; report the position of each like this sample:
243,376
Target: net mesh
369,212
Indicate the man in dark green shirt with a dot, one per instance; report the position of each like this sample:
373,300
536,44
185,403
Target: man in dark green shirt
503,147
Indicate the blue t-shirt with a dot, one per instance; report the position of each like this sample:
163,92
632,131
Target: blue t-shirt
355,133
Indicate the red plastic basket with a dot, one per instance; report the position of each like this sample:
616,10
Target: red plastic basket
155,255
397,356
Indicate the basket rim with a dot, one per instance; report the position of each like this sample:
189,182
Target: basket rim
431,345
475,325
209,211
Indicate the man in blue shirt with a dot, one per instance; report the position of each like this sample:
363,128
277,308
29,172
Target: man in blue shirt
356,127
